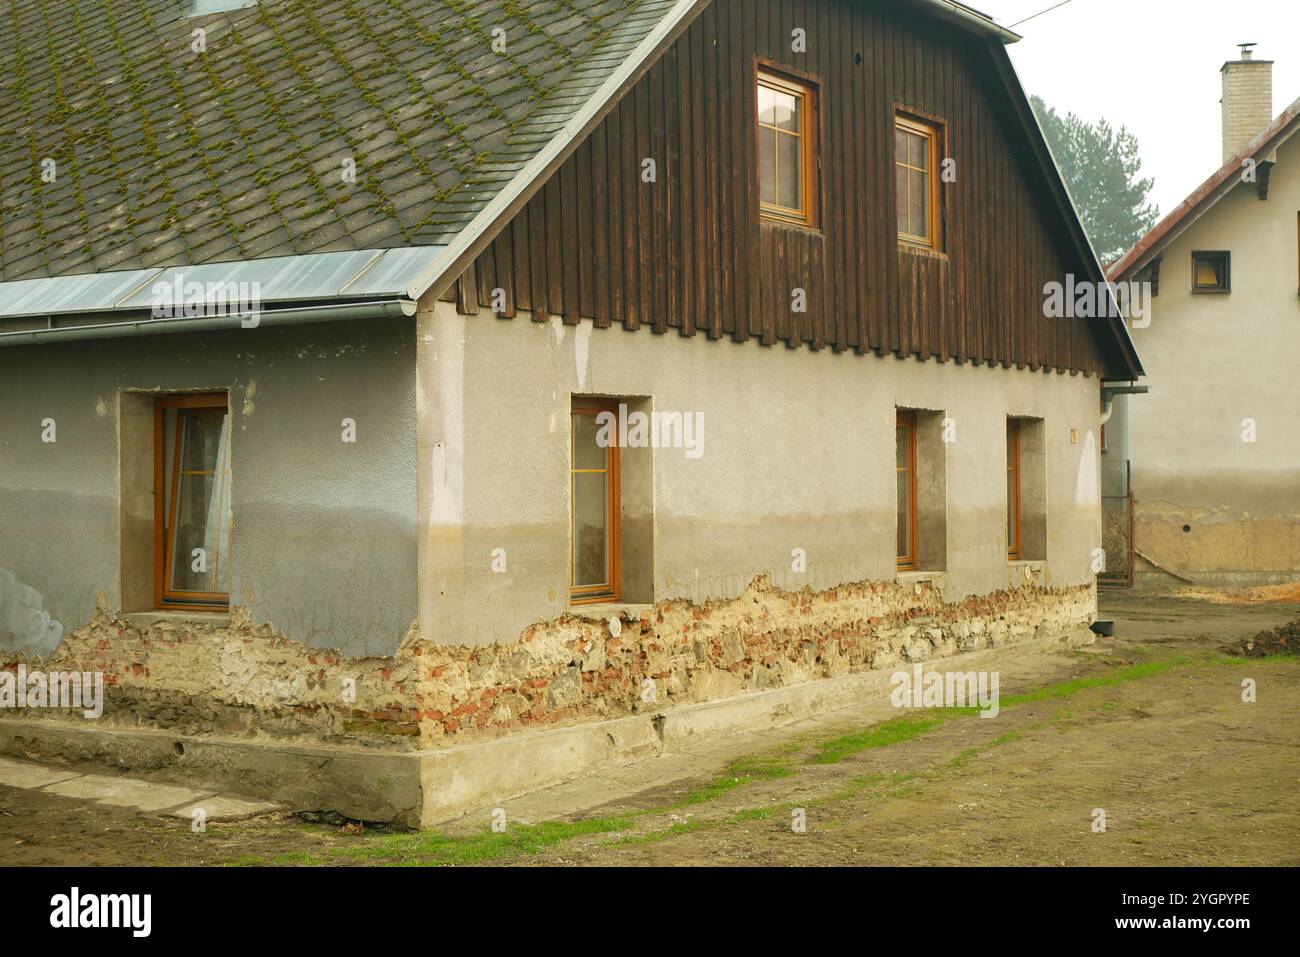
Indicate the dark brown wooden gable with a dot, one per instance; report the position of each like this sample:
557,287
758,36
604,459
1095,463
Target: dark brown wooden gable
689,252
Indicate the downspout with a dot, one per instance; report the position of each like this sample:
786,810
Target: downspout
333,312
1108,393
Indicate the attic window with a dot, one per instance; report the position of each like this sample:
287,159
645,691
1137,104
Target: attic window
199,8
787,158
1211,271
916,165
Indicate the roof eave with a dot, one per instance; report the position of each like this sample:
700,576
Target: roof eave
1202,199
964,16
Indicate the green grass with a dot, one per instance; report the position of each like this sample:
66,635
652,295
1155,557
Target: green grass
755,814
1073,686
302,858
763,767
969,753
910,726
433,848
681,827
893,731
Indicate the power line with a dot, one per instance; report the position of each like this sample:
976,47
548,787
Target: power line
1038,14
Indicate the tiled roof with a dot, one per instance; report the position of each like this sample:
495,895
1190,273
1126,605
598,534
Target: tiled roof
1205,196
162,155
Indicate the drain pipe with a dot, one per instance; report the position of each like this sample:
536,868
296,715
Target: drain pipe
1108,393
332,312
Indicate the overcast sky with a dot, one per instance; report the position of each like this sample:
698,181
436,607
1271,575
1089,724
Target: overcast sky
1153,66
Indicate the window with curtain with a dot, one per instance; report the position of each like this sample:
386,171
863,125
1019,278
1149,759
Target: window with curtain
192,470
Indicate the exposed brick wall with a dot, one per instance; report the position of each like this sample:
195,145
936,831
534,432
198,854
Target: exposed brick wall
245,679
1247,103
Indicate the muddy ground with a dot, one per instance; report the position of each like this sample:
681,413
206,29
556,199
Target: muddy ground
1149,727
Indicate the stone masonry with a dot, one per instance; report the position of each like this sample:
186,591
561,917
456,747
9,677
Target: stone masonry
246,680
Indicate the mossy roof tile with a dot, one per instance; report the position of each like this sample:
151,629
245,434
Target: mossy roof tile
165,155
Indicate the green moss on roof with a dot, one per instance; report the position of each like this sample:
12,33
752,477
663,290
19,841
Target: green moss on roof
245,144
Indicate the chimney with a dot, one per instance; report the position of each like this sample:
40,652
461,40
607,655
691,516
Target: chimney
1247,100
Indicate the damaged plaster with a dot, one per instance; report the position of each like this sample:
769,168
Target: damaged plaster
26,627
249,680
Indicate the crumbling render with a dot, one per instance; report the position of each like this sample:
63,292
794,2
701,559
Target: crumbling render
246,679
25,626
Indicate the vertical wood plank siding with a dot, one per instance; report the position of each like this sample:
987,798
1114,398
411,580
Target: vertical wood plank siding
689,252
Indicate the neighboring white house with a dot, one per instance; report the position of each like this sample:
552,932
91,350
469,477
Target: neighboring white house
1215,446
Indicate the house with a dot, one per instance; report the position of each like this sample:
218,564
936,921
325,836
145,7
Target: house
400,376
1215,447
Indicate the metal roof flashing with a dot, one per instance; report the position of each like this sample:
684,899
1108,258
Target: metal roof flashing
176,298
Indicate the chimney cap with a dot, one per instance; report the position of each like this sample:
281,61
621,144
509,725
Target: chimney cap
1247,50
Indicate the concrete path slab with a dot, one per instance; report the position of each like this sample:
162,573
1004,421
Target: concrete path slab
220,807
126,792
149,797
24,774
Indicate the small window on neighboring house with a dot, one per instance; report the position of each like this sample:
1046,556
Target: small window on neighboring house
905,466
787,161
917,184
1013,490
1211,272
192,501
595,547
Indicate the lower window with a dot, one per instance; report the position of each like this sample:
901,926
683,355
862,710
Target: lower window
1013,490
905,467
1026,489
192,501
594,484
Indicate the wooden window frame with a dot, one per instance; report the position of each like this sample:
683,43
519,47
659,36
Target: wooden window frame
611,591
1015,500
164,525
807,89
912,561
1202,254
933,130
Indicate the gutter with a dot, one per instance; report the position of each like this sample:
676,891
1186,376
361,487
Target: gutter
333,312
968,18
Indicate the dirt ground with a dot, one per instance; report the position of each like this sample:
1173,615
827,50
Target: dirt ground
1149,728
